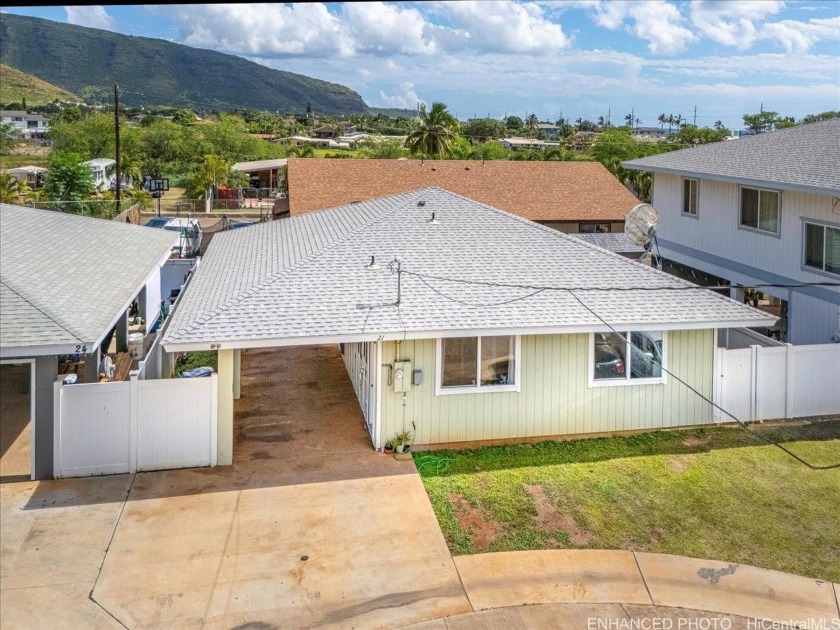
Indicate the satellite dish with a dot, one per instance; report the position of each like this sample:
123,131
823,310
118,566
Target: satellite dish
106,367
640,224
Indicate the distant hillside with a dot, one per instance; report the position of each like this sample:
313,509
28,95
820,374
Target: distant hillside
157,72
16,85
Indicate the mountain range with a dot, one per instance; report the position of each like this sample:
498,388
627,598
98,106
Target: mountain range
157,72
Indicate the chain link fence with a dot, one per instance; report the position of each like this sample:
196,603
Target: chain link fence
98,208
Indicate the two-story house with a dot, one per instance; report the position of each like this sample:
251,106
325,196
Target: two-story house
28,126
757,211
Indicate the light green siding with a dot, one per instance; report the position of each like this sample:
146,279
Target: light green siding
554,398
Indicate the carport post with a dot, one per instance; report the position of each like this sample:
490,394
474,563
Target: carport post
46,369
237,374
224,444
122,332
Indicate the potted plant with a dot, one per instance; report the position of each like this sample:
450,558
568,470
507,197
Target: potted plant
389,447
402,445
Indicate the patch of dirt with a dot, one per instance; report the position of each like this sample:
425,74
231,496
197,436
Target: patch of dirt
692,441
548,517
471,520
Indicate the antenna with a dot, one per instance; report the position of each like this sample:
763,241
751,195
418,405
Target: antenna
640,225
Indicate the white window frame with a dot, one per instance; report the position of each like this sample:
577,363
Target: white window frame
627,381
824,226
696,212
755,228
478,388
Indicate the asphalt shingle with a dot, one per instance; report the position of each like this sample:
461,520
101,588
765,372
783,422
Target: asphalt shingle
806,156
306,277
65,278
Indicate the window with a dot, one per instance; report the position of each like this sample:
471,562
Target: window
760,209
690,196
594,228
822,247
471,363
627,357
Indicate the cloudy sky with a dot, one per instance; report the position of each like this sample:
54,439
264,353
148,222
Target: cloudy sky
581,58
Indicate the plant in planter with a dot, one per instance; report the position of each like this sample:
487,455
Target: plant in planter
389,447
402,442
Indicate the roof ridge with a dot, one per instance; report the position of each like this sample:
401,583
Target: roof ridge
68,329
272,278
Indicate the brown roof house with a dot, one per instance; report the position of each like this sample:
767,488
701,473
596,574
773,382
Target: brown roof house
568,196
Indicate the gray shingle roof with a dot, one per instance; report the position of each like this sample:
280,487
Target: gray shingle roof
805,158
64,278
305,277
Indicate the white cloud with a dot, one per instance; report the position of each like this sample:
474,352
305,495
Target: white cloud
94,16
386,29
405,97
658,23
264,30
797,36
732,22
502,26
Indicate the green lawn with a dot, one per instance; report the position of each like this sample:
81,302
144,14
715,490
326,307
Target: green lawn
710,493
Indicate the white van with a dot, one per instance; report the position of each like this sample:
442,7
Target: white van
190,242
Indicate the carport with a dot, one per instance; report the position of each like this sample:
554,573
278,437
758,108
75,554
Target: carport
68,300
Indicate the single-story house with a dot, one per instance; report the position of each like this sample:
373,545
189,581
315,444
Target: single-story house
460,322
34,176
528,143
263,173
102,171
568,196
67,284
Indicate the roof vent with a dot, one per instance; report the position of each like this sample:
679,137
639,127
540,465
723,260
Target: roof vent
372,266
433,220
421,204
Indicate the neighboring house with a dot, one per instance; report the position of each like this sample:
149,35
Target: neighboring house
615,242
302,141
759,210
417,289
568,196
103,172
325,132
263,173
551,131
528,143
67,283
28,126
34,176
652,133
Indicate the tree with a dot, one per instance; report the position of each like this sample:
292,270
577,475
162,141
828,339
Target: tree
761,122
482,129
7,137
719,125
92,136
214,171
615,146
490,150
184,117
69,178
629,120
382,148
811,118
601,121
689,134
662,119
786,122
8,188
433,132
532,123
514,122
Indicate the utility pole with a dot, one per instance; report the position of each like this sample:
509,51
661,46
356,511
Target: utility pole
695,115
118,172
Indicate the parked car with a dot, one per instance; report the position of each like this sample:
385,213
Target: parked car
158,222
190,230
239,224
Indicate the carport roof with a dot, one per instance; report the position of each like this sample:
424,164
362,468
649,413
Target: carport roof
305,280
64,278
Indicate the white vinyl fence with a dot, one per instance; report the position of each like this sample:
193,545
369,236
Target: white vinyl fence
131,426
765,383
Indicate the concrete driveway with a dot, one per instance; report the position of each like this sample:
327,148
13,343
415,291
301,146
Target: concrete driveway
309,528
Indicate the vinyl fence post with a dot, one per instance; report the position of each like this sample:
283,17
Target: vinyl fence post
790,412
754,382
133,429
59,383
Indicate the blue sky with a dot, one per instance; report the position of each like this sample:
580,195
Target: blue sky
581,58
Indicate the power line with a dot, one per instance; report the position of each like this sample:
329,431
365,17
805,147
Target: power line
571,291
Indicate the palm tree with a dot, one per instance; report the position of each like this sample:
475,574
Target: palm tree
433,132
638,122
718,125
662,119
679,120
579,122
670,121
8,188
629,120
532,122
601,121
